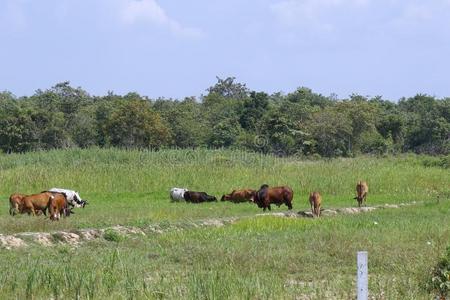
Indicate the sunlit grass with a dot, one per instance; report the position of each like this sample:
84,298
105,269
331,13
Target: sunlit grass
131,187
258,257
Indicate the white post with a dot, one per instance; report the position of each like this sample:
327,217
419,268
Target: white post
362,276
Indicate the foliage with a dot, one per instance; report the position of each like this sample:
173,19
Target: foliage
439,281
230,115
112,235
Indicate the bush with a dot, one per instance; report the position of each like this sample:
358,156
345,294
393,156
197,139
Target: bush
112,236
439,281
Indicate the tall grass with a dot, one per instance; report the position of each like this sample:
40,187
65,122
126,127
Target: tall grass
256,258
131,186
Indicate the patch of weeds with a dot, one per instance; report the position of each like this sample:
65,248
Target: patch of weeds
164,225
57,237
439,281
112,236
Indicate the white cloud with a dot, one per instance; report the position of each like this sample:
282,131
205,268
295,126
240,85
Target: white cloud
149,11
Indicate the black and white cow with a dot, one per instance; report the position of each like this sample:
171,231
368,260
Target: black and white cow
73,198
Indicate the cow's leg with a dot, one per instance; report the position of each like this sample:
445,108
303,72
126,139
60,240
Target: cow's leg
269,207
289,205
12,210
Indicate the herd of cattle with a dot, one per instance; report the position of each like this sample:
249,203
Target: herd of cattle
264,197
59,202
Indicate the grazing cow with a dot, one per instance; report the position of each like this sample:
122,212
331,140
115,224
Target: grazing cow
315,200
198,197
73,198
275,195
33,204
361,192
238,196
15,203
58,206
177,194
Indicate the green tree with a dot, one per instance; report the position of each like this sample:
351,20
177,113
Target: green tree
135,124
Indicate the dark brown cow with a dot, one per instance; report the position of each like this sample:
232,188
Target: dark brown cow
315,200
33,204
238,196
361,192
198,197
15,203
275,195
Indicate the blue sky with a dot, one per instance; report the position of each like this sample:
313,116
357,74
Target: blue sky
171,48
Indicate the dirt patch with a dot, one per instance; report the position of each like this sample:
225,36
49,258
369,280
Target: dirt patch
337,211
11,242
75,238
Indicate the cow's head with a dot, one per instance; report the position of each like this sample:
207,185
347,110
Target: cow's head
252,196
77,201
211,198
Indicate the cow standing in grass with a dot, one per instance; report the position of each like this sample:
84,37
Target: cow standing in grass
34,204
315,200
238,196
58,206
15,203
198,197
361,192
73,198
266,196
177,194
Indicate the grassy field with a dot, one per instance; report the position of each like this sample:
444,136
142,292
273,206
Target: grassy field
255,258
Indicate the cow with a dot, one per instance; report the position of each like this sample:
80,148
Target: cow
239,196
315,200
33,204
198,197
274,195
361,192
15,203
177,194
58,206
73,198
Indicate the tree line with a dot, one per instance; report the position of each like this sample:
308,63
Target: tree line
229,115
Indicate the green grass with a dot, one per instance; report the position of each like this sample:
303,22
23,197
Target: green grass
255,258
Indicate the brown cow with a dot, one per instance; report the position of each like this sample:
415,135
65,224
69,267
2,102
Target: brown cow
238,196
361,192
315,201
33,204
58,206
275,195
15,203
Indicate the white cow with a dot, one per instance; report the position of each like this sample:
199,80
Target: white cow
73,198
177,194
